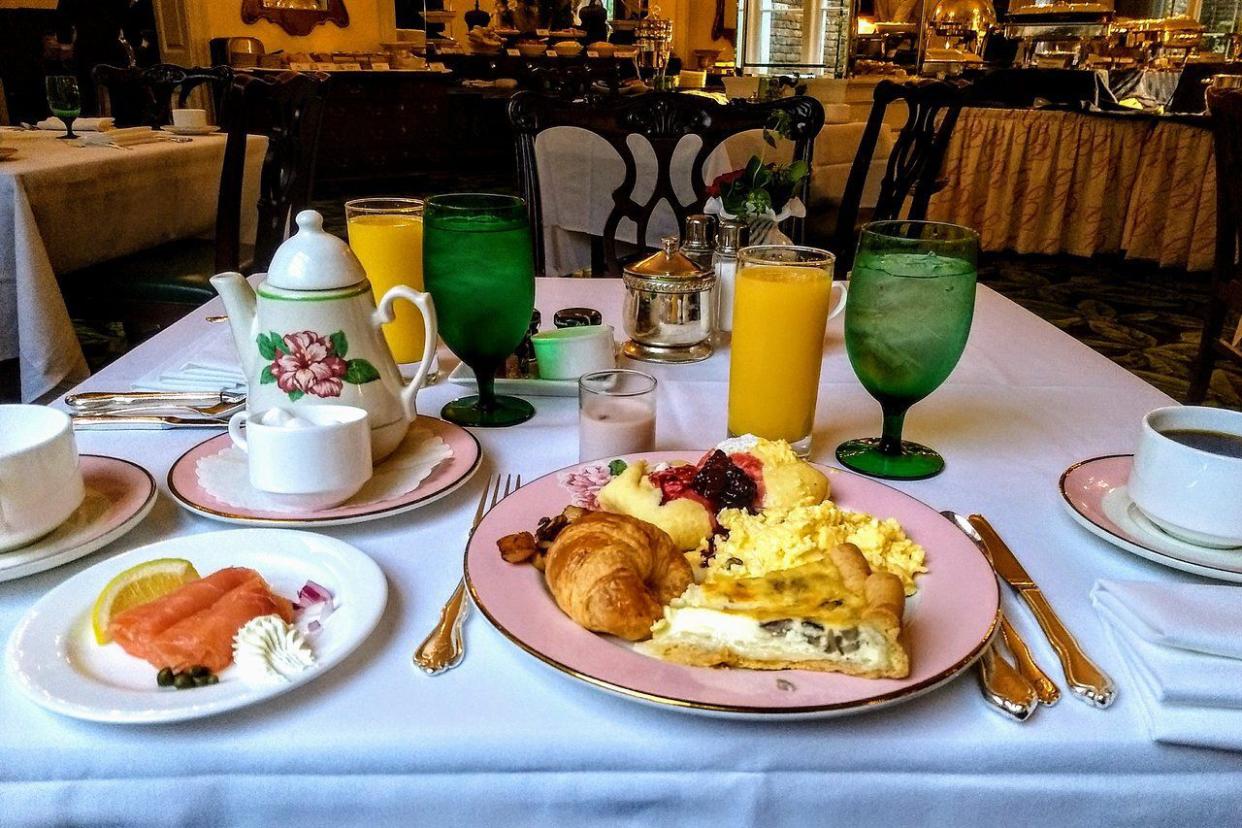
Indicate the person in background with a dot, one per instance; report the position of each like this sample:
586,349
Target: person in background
93,27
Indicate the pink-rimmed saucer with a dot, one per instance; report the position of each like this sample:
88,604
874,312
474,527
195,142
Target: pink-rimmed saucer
1095,495
119,494
948,623
446,478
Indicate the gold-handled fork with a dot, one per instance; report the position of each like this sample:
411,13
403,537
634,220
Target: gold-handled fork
444,648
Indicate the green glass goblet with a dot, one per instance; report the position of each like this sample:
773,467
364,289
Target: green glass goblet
912,297
64,99
479,268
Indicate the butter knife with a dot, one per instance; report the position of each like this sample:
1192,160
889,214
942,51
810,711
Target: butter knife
1044,687
1004,687
128,422
1086,680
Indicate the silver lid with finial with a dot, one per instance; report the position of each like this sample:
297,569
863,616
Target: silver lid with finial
668,271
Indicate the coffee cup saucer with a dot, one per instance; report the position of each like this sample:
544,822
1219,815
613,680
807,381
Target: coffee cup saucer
1095,495
119,494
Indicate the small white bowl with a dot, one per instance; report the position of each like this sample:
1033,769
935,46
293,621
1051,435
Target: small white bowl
568,353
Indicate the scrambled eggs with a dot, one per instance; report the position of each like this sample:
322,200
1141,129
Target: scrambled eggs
782,539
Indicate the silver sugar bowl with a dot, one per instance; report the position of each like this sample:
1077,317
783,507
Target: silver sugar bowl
668,307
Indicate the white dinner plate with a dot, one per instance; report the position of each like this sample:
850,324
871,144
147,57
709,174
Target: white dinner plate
203,130
1095,495
53,659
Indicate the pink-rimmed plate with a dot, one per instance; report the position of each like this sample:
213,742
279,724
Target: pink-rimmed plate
119,494
1095,495
446,478
948,623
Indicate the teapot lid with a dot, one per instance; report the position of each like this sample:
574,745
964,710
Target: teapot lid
311,259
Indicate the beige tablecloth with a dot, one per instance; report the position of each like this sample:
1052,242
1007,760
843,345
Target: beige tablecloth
65,206
1042,181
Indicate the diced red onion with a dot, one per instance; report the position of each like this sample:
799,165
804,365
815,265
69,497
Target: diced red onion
312,593
313,627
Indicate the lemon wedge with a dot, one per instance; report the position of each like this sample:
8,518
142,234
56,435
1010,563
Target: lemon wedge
138,585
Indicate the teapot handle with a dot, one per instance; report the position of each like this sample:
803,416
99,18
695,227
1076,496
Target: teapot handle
384,314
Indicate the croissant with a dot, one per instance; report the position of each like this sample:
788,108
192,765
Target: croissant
613,573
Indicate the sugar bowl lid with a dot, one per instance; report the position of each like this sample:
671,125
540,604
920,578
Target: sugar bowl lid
668,271
312,259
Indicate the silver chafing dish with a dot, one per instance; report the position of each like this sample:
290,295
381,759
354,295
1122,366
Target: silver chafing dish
1056,35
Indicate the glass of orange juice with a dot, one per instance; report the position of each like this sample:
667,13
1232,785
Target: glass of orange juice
783,298
386,234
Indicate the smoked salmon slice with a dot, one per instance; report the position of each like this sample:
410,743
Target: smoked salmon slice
196,623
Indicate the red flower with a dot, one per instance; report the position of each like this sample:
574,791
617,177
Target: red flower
308,364
724,180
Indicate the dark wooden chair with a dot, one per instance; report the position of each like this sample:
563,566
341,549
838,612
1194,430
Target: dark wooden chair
155,287
913,167
663,119
1226,298
144,96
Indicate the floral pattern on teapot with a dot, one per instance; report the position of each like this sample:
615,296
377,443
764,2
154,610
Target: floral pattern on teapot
306,362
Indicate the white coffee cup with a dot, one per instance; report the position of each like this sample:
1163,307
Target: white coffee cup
189,118
316,458
568,353
40,475
1192,494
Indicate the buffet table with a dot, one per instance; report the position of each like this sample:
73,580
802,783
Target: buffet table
503,740
64,206
1052,181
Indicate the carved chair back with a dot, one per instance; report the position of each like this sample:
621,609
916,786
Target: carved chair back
663,119
913,166
144,96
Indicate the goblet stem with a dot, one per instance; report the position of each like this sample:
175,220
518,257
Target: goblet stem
486,376
890,440
69,128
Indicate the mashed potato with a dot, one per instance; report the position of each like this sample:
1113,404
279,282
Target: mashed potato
775,539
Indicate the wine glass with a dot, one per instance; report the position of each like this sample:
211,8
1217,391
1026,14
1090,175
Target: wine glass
478,267
64,99
912,297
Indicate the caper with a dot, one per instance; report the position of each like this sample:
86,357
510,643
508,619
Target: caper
198,671
183,681
164,678
213,679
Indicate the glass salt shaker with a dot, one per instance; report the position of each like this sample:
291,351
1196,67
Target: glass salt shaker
730,238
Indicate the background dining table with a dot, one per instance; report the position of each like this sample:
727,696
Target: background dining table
64,206
503,739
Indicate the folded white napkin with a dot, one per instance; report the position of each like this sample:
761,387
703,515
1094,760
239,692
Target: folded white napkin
210,364
126,137
1180,644
79,124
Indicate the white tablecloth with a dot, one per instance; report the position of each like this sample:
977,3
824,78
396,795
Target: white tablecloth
64,206
503,740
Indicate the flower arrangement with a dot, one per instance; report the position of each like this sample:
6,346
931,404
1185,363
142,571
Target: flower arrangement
762,192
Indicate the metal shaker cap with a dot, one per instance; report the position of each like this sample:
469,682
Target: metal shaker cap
699,231
732,236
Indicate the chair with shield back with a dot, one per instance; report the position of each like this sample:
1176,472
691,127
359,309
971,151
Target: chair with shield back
155,287
1225,301
912,175
140,96
663,119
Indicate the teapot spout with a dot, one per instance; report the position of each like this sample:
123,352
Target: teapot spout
239,301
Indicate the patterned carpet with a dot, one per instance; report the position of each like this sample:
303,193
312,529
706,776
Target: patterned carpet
1146,320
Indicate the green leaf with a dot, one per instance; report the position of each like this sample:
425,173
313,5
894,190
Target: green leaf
267,350
769,139
753,166
616,467
796,171
296,395
358,371
340,345
265,376
278,342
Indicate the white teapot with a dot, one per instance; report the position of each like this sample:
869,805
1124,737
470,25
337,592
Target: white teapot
311,334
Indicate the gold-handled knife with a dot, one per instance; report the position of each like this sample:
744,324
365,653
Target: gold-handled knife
1004,687
1086,681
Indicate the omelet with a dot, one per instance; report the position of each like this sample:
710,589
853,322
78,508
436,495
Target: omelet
782,539
687,521
786,479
